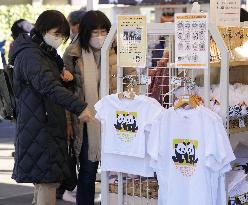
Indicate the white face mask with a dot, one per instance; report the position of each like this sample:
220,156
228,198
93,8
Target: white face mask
53,41
97,42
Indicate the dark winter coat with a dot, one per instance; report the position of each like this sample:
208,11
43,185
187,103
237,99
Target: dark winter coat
40,147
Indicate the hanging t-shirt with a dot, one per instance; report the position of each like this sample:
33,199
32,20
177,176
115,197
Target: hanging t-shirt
123,123
218,174
116,159
126,164
186,147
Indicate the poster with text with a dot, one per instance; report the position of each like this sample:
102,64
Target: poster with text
191,41
227,12
131,41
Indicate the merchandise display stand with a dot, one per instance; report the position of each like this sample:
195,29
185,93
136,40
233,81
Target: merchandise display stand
139,190
233,37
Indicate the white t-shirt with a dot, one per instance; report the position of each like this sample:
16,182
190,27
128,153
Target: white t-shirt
186,147
126,164
124,121
123,133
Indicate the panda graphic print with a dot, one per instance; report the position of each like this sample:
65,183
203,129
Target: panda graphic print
126,125
185,156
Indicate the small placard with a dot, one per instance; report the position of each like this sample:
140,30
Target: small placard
185,98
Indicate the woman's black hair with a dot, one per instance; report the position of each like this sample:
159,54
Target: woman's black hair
92,20
51,19
243,15
16,29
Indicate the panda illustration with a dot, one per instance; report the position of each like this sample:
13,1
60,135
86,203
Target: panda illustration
237,110
231,111
131,124
180,151
191,154
120,123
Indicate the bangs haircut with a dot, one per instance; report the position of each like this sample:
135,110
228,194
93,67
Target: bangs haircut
91,20
51,19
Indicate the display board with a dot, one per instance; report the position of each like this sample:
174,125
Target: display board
131,41
191,41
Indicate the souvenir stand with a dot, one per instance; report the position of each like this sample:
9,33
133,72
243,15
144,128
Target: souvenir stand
126,189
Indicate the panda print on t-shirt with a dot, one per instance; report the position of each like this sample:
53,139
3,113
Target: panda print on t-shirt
126,125
185,158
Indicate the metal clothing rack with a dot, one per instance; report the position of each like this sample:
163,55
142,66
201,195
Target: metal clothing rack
155,30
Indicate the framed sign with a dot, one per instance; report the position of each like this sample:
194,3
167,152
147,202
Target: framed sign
191,41
131,41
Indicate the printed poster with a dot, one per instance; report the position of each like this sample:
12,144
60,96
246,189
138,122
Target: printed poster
226,12
131,41
191,41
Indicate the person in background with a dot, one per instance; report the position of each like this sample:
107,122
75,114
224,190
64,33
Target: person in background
166,17
20,26
2,53
74,19
84,57
243,15
41,100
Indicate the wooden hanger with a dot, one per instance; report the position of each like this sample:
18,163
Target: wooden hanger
192,101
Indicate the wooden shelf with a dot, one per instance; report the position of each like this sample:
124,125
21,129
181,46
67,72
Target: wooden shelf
231,64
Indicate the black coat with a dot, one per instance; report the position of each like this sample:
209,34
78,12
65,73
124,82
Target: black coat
40,147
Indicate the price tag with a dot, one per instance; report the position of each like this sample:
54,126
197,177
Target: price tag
145,80
176,81
185,98
241,123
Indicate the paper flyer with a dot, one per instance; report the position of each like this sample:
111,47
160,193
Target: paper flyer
131,41
191,41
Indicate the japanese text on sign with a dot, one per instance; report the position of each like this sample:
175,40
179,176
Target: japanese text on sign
227,12
131,41
191,41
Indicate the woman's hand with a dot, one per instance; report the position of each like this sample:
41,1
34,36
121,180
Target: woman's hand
86,116
66,76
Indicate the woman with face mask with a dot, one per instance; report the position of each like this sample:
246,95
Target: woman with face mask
84,63
83,60
41,100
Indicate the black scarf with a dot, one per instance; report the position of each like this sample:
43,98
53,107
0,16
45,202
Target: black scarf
49,50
